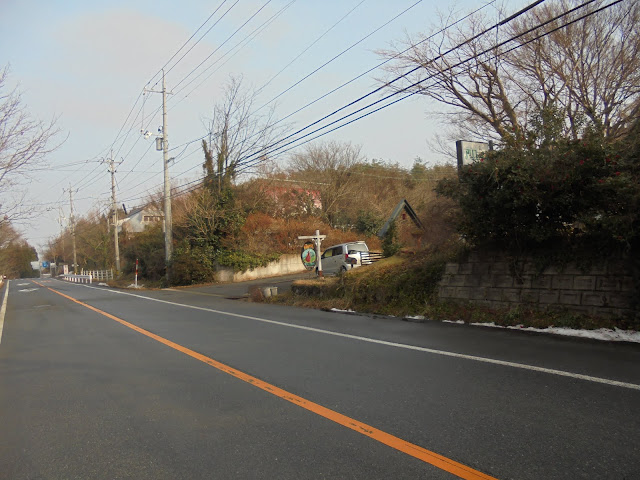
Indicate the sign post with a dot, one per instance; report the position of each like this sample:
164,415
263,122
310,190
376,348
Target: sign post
317,240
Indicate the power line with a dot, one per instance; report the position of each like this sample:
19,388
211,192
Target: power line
316,70
224,42
190,38
152,116
338,55
310,45
91,179
308,75
363,73
118,135
260,154
301,80
344,84
239,46
389,83
248,165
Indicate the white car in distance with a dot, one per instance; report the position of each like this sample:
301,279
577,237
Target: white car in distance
346,256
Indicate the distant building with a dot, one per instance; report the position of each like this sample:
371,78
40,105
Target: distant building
139,218
294,200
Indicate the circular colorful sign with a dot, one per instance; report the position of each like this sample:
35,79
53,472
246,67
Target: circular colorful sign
308,255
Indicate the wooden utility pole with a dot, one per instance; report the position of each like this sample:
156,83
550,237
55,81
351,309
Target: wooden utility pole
73,232
168,222
114,206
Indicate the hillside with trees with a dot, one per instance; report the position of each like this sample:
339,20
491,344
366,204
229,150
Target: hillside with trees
244,224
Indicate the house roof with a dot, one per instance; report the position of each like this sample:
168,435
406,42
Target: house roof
402,205
148,208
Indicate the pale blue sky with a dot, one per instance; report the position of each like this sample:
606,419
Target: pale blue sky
87,62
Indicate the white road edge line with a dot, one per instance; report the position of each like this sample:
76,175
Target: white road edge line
493,361
3,310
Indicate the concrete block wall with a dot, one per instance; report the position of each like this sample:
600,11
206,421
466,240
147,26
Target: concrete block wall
606,289
284,265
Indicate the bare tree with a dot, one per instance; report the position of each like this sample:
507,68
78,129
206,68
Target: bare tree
24,143
586,73
331,166
198,217
237,135
8,234
589,70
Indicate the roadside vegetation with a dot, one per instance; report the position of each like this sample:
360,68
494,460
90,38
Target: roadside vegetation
329,187
363,291
16,254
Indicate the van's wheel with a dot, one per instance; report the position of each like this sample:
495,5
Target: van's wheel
343,270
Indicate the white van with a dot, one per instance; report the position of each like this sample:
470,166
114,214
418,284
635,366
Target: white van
343,257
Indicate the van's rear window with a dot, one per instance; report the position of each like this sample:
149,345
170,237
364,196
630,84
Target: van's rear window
357,247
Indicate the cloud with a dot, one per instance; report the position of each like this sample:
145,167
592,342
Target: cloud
98,61
116,44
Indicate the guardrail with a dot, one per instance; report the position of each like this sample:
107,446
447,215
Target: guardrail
78,278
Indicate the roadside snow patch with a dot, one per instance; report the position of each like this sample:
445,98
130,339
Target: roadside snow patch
606,334
459,322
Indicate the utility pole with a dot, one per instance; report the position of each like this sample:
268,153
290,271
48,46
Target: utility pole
168,223
114,205
61,219
73,232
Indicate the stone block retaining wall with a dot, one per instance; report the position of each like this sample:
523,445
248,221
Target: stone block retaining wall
606,289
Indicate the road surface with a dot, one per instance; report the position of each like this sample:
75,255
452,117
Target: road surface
98,383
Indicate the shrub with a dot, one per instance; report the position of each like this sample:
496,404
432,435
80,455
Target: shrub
368,222
581,195
148,248
242,261
390,246
192,264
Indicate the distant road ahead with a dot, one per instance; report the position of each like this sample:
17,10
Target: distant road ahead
98,383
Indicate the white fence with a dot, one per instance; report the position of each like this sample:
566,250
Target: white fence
78,278
99,275
88,276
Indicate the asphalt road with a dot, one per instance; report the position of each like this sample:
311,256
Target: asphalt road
174,384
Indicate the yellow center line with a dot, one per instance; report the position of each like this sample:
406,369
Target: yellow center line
439,461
